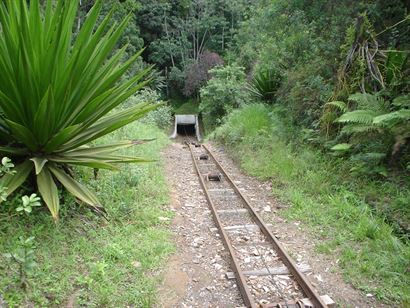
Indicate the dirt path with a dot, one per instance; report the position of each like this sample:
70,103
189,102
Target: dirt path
195,275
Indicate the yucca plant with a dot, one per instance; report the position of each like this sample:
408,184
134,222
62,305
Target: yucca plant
265,84
57,91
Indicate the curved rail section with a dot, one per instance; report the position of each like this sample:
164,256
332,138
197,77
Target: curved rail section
217,184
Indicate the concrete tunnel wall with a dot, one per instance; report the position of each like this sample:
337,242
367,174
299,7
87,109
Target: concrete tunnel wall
186,119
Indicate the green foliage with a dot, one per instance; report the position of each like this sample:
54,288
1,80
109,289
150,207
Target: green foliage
339,105
369,164
249,122
341,147
176,79
341,209
395,68
381,128
357,117
6,166
178,34
28,203
265,84
161,117
223,93
131,35
190,106
23,257
71,85
86,259
304,93
364,52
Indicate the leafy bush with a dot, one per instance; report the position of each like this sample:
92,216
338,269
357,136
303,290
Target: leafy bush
198,73
161,117
304,92
247,122
56,95
223,93
364,52
344,209
190,106
23,257
176,79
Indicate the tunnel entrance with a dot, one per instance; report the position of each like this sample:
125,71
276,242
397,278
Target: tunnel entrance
186,129
186,125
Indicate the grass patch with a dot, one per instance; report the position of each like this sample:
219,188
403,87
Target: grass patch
343,211
190,106
85,258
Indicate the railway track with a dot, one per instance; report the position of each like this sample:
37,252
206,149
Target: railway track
265,274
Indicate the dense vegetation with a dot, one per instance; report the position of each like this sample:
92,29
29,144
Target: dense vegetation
333,129
86,260
56,95
67,80
350,215
312,95
333,81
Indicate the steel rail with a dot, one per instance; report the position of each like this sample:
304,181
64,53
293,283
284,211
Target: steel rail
286,259
240,277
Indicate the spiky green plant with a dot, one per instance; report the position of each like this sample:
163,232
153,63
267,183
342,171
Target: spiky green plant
265,84
57,90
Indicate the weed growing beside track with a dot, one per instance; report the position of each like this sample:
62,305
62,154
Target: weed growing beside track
345,212
85,259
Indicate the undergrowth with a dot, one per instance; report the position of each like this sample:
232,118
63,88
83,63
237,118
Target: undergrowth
184,106
86,260
351,216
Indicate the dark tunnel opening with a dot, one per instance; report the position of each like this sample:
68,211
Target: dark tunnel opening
186,129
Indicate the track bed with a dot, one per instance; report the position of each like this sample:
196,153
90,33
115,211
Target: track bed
265,274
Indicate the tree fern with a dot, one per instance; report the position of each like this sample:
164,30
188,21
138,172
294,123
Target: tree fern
342,106
358,128
357,116
392,117
363,98
376,126
366,101
402,101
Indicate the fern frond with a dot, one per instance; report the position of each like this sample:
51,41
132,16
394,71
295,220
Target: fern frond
341,147
357,116
338,104
350,129
400,115
363,98
368,157
402,101
369,102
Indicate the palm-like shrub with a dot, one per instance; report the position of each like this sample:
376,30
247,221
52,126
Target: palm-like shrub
265,84
56,93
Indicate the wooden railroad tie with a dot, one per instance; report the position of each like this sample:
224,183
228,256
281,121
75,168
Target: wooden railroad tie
281,270
303,303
